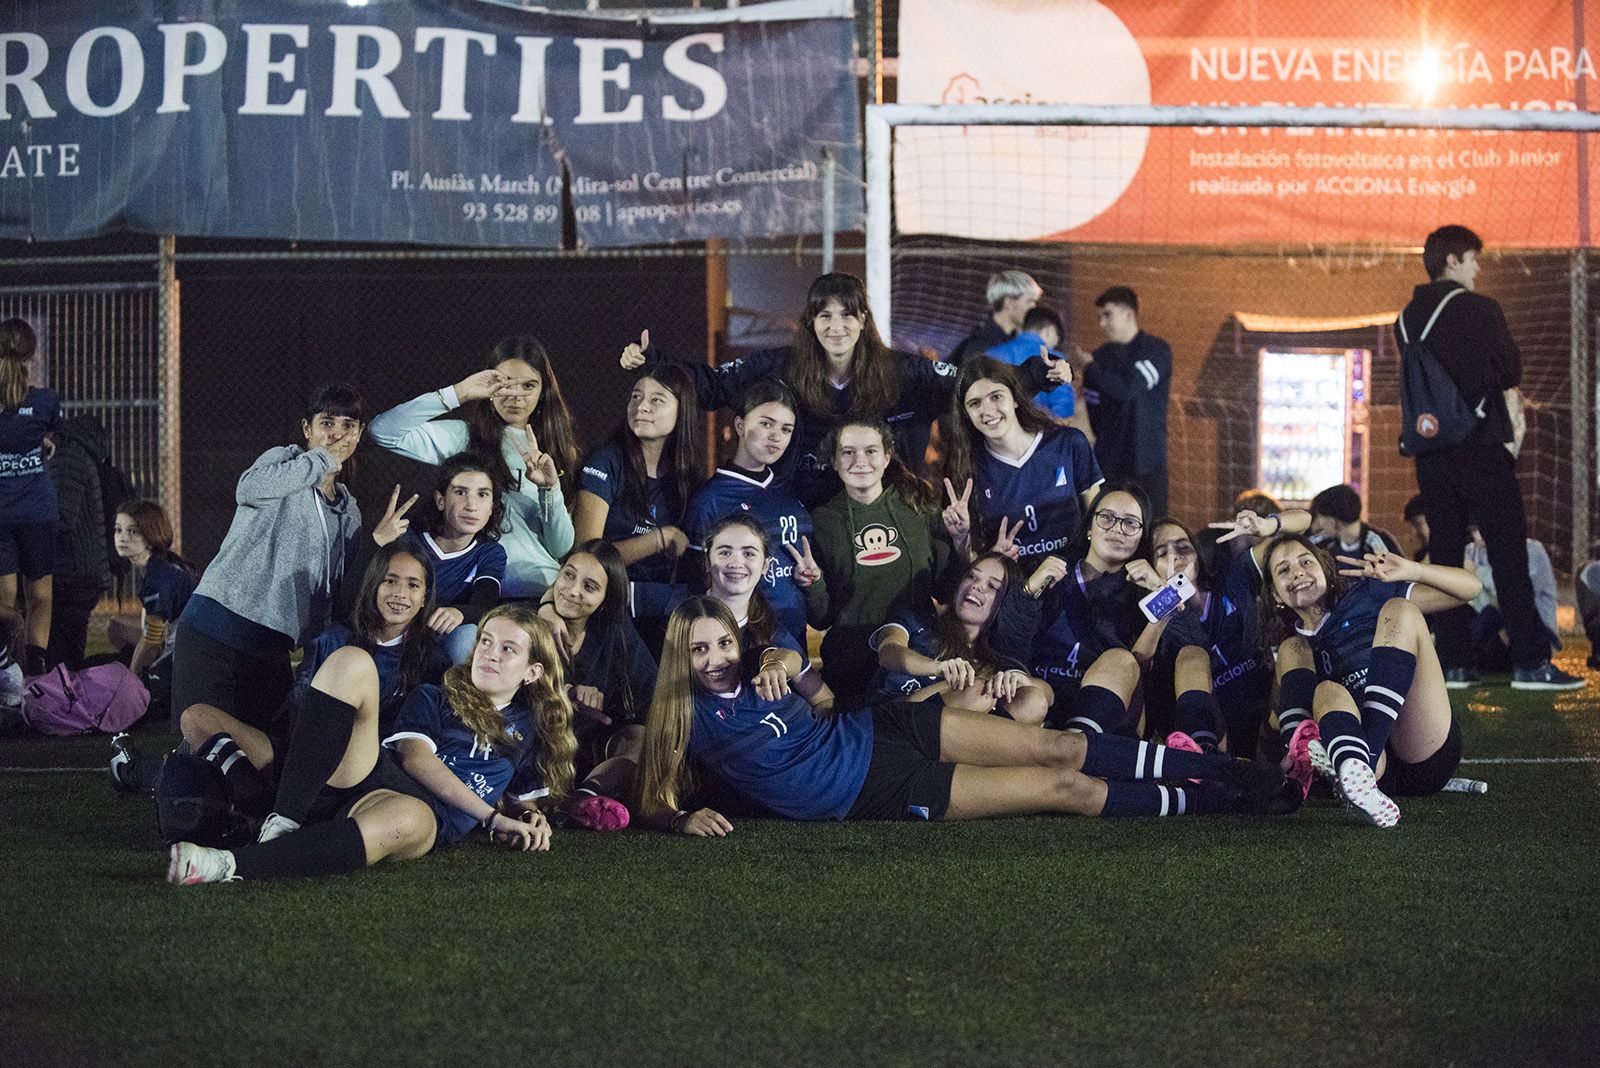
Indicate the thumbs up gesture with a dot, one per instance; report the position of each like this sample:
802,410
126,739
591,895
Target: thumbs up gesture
1058,370
633,356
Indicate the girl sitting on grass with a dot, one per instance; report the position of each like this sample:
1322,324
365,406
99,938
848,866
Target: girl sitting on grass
953,653
894,761
500,728
1367,638
461,540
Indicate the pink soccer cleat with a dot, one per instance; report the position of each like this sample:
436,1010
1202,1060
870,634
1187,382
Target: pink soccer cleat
1297,761
598,813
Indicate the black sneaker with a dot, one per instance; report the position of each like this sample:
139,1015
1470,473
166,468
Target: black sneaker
1460,678
131,771
1255,780
1548,677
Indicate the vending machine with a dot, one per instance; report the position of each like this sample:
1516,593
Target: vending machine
1312,421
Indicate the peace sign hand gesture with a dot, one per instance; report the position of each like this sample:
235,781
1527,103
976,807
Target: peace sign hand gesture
806,568
1385,567
1247,523
1006,541
633,356
539,466
957,515
394,522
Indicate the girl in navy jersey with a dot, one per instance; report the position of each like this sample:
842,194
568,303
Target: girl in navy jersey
636,488
839,369
499,729
950,651
142,535
512,415
882,550
738,554
762,431
27,495
1022,465
387,623
1357,640
1082,611
460,539
897,761
610,675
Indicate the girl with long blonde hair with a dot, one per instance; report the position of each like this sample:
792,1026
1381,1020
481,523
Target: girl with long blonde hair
500,728
894,761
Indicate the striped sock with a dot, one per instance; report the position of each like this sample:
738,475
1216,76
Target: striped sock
1342,737
248,788
1146,799
1295,692
1197,715
1119,759
1099,711
1389,675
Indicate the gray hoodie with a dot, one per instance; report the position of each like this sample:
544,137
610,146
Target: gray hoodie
287,544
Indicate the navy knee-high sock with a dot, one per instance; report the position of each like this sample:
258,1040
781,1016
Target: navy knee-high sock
1342,737
330,848
1099,711
248,788
1115,758
1389,675
1147,799
1198,716
316,748
1295,692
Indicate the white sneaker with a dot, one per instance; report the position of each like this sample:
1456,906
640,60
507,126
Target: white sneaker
191,864
1357,788
275,826
1321,762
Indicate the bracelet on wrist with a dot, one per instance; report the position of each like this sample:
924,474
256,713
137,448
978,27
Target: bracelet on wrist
679,820
488,821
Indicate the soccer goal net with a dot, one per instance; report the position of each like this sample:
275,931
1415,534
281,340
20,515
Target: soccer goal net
1272,247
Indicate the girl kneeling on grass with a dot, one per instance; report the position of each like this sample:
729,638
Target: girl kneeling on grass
499,728
952,654
894,761
1365,637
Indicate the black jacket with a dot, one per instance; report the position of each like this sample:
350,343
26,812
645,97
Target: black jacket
1473,344
81,529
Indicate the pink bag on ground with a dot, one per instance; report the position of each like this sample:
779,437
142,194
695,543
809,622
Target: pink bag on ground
108,697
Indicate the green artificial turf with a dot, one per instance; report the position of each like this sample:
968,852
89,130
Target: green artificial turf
1463,937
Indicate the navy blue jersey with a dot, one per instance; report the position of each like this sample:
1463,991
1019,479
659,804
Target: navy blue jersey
1080,618
750,649
1042,488
780,514
27,493
602,476
780,756
385,657
165,590
1341,646
920,638
490,771
454,573
615,662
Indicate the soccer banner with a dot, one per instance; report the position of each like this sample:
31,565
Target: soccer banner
426,121
1228,186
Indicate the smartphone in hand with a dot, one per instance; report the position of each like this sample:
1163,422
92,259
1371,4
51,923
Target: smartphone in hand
1161,603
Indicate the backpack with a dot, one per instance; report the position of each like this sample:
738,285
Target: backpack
192,805
1433,414
109,697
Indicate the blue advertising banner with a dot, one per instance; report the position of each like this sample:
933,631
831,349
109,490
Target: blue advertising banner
425,121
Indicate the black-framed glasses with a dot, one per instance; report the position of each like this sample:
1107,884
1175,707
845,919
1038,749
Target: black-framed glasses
1130,525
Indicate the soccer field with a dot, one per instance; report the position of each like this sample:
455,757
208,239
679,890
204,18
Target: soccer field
1464,936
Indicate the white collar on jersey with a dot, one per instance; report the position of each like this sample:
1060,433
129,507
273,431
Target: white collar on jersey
1021,460
440,553
742,477
1314,631
392,642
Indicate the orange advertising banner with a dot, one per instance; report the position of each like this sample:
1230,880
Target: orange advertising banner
1220,185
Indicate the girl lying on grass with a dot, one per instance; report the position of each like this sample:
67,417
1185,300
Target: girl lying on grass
894,761
1364,637
499,728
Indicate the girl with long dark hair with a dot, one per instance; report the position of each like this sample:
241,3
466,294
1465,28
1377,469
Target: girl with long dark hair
28,414
512,414
460,539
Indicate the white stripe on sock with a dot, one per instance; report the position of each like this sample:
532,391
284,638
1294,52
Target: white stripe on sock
1161,760
226,764
1183,800
1138,764
1398,698
1392,713
1091,724
1166,802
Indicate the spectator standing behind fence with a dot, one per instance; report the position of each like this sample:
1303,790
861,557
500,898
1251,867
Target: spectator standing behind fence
28,512
1125,384
82,563
512,415
1477,479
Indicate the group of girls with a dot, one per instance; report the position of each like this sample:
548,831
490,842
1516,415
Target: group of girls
983,652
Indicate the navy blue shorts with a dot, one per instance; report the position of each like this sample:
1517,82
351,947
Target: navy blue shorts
251,689
335,802
28,549
1426,777
905,780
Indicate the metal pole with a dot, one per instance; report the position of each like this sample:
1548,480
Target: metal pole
170,436
875,52
1582,472
830,177
879,145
